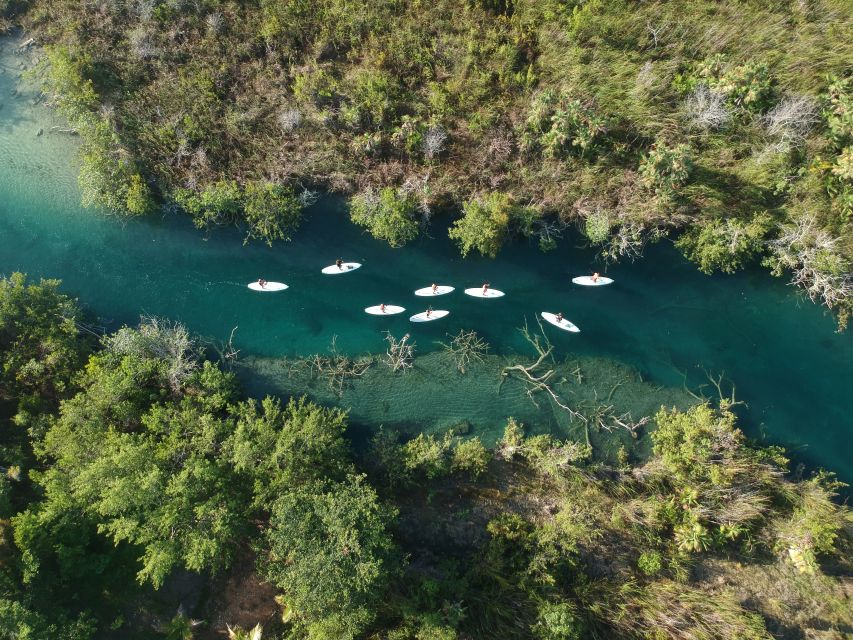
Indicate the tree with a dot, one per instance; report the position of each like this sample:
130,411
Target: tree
470,456
485,223
41,346
725,245
283,447
390,215
273,211
217,203
143,460
331,554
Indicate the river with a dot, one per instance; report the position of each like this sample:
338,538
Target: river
661,318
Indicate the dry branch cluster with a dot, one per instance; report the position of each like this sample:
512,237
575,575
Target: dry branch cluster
466,348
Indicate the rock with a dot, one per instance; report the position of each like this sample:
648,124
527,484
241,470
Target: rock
41,131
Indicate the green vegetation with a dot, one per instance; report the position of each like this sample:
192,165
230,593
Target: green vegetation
389,215
730,123
131,463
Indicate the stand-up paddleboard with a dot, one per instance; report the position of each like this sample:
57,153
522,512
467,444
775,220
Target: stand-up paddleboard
477,292
563,324
390,310
439,291
587,281
269,286
435,315
346,267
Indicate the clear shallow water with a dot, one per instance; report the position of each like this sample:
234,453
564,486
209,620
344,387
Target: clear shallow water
661,316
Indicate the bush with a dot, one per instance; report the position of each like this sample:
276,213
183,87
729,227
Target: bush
471,457
666,168
725,245
485,223
273,211
559,621
217,203
562,125
427,456
815,524
331,554
748,86
390,215
650,563
597,227
512,441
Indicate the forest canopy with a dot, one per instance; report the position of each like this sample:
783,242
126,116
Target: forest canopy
132,462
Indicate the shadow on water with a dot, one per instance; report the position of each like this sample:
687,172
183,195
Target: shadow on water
661,318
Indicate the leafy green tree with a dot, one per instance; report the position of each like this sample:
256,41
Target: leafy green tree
470,456
217,203
484,224
282,447
41,346
144,461
21,623
427,456
390,215
725,245
273,211
331,554
597,228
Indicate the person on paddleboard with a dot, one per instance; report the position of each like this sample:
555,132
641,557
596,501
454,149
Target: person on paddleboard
339,264
262,283
485,288
595,276
559,317
434,288
429,312
382,307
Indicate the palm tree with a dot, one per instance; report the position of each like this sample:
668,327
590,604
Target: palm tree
241,634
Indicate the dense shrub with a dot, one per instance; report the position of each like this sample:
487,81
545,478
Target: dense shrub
725,245
389,215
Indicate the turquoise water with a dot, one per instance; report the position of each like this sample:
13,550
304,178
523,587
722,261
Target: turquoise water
661,317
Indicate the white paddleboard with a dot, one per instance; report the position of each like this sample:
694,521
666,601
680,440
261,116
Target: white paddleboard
435,315
477,292
563,324
346,267
269,286
390,310
439,291
587,281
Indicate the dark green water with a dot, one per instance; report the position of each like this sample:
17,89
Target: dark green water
661,317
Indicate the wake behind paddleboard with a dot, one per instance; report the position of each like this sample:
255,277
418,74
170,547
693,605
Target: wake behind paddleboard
477,292
346,267
439,291
390,310
269,286
435,315
563,324
587,281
